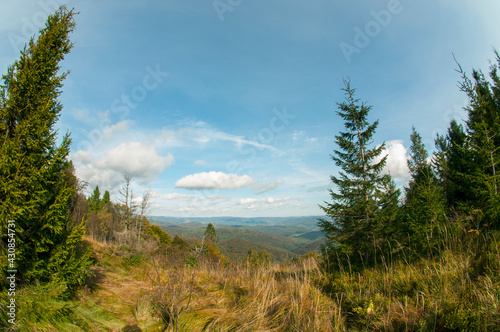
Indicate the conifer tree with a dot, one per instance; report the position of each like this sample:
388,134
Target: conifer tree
452,165
483,133
94,201
424,202
211,237
468,160
35,186
365,201
105,198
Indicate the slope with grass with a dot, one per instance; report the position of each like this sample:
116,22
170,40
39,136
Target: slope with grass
138,290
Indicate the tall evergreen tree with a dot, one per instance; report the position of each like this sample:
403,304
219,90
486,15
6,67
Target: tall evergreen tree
211,237
424,201
483,133
94,201
468,158
417,164
35,189
105,198
365,201
452,164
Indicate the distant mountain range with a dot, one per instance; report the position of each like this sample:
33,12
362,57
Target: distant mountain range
283,237
307,222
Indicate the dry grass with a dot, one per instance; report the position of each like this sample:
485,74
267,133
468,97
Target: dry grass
444,293
152,292
239,298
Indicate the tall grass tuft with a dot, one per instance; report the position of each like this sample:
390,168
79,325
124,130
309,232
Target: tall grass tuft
250,298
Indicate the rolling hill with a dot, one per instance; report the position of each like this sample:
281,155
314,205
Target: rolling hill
228,233
308,222
283,237
237,249
313,247
313,236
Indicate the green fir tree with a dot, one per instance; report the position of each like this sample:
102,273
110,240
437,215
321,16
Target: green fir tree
483,133
105,198
424,206
452,163
95,202
35,184
211,238
365,202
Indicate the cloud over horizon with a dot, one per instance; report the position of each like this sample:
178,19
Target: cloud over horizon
263,203
397,158
214,180
136,159
263,188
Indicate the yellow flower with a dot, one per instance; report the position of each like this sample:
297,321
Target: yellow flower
370,308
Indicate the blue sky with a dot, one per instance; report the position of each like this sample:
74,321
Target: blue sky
227,107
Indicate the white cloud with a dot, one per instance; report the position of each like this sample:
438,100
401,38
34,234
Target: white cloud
82,157
82,115
262,188
301,136
183,203
397,159
202,133
214,180
104,178
178,196
263,203
136,159
321,189
201,163
196,209
155,194
118,127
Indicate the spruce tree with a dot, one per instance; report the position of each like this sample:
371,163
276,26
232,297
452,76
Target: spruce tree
35,186
483,133
94,201
211,237
365,202
452,164
105,198
424,206
468,158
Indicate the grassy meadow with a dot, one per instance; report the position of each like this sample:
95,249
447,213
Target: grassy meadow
139,288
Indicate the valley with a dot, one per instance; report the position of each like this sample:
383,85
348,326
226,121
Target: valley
284,237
